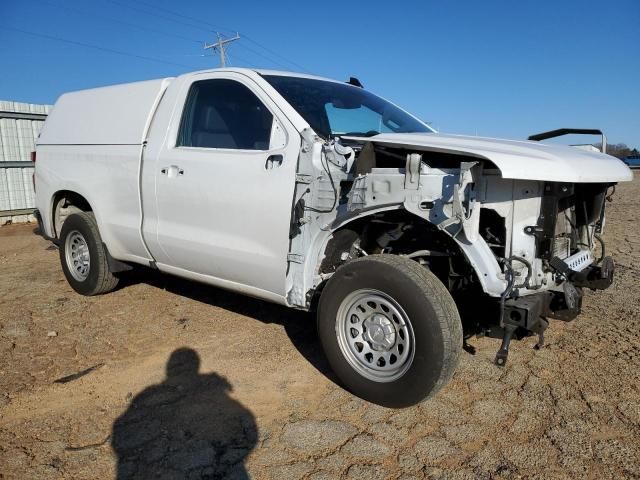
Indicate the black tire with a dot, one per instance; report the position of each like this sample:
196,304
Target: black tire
431,312
99,278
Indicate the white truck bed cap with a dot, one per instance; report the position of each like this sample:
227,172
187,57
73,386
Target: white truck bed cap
115,115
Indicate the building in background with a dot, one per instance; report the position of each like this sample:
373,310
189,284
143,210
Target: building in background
20,124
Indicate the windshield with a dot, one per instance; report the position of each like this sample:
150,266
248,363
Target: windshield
334,109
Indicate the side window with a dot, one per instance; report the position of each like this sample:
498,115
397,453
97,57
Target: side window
224,114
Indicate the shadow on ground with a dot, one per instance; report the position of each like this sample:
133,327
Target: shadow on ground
185,427
299,326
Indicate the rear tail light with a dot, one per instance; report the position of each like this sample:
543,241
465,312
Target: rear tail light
33,177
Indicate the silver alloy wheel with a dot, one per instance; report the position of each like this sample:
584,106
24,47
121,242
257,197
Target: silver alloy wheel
77,255
375,335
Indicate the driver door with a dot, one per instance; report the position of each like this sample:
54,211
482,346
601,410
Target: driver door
224,186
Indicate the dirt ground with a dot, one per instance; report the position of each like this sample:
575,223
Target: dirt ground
188,381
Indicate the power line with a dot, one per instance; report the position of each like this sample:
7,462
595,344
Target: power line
147,12
276,54
117,20
181,15
233,57
255,42
96,47
240,44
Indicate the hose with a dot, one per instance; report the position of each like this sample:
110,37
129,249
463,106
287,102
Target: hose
510,277
601,242
507,290
527,280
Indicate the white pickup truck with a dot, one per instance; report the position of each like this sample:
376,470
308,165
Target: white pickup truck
317,194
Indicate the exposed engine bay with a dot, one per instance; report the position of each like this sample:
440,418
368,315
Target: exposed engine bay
523,249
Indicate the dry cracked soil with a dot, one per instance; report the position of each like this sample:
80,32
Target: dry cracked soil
165,378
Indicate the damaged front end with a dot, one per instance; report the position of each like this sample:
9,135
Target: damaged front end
531,243
571,254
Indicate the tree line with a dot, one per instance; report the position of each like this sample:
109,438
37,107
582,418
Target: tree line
620,150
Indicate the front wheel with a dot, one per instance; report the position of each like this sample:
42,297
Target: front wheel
389,329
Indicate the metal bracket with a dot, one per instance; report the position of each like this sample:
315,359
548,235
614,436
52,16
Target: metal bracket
23,115
303,178
535,231
295,257
412,171
468,218
19,164
572,131
561,267
16,212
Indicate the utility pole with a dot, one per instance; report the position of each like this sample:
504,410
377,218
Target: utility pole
219,46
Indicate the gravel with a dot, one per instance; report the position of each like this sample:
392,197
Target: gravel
258,398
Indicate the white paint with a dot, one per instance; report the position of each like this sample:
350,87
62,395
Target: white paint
222,216
227,216
520,159
115,115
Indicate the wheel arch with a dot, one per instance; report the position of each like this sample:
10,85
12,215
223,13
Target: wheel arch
358,224
64,202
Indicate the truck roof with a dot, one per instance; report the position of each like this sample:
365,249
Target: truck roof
261,71
120,114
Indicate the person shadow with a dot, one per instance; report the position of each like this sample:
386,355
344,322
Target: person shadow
299,326
185,427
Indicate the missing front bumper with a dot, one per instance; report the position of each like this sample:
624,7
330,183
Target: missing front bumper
531,312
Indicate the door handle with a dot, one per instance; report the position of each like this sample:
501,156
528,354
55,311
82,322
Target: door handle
273,161
172,171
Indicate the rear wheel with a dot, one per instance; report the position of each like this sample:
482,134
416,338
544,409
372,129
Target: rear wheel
83,256
390,330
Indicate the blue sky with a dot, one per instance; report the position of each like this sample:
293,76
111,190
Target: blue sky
493,68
